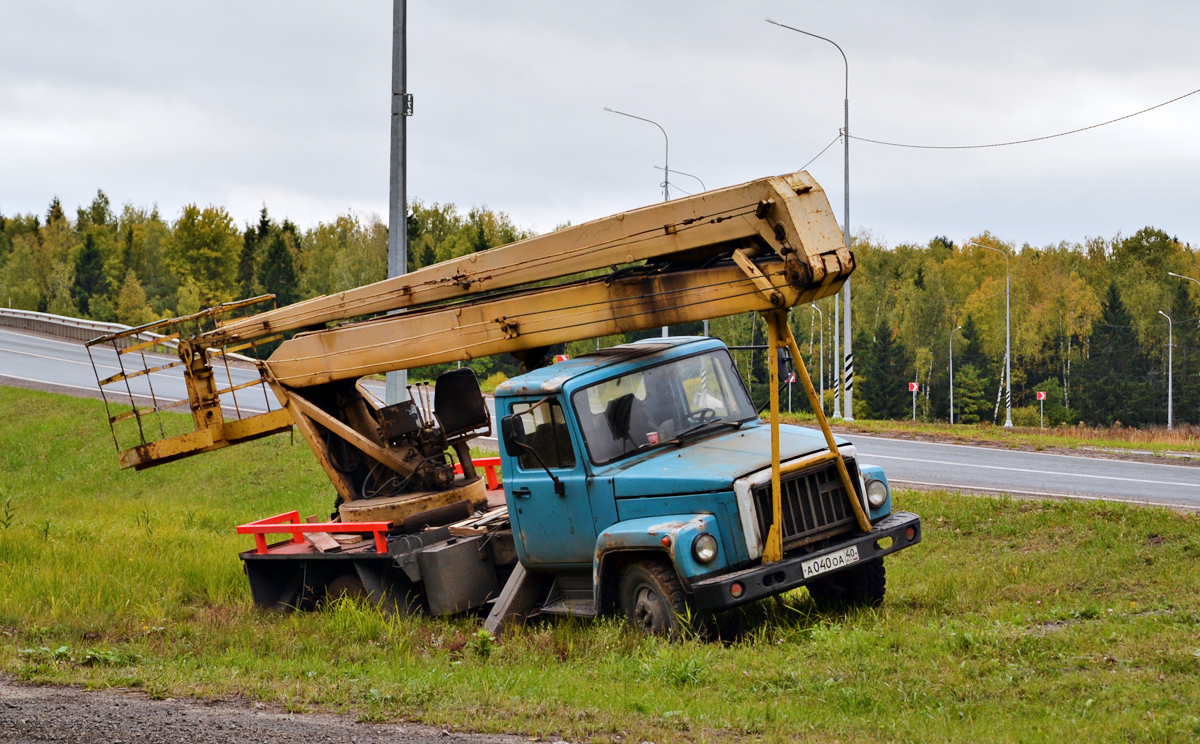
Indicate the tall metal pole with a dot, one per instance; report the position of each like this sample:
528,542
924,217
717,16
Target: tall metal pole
396,389
1170,369
844,371
1008,424
1181,276
666,167
837,377
849,354
959,328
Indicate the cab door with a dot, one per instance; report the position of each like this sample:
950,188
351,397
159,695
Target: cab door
550,529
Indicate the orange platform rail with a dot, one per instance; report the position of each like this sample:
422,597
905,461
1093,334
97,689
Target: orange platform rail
289,522
490,467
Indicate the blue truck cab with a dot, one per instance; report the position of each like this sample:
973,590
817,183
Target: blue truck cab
638,480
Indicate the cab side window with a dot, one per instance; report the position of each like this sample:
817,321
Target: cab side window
546,431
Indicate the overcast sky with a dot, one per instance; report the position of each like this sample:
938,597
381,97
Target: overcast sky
286,103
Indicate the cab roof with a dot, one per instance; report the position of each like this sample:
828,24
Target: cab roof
605,363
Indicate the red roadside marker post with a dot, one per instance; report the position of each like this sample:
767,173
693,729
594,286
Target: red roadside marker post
912,388
1041,396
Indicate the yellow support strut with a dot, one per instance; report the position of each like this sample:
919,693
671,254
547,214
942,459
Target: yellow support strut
779,335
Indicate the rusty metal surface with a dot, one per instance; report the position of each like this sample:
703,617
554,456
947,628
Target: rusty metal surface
530,320
144,440
788,215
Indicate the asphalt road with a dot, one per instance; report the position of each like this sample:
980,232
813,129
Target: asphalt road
958,467
64,366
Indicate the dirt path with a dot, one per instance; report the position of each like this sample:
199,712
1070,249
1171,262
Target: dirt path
66,714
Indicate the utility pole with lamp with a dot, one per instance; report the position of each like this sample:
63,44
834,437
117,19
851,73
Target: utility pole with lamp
844,373
397,382
666,167
1170,370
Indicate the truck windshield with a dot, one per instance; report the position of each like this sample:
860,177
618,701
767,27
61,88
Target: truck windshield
654,406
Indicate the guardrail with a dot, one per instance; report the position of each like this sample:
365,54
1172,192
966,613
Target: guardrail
78,329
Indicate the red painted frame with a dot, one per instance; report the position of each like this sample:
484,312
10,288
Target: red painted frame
289,522
489,465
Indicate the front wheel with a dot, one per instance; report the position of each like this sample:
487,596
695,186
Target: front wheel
652,599
859,586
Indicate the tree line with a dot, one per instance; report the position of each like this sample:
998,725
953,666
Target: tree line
1086,327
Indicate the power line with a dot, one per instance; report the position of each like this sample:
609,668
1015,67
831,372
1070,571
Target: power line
1024,141
822,152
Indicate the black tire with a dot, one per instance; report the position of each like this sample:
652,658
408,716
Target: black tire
346,586
860,586
652,599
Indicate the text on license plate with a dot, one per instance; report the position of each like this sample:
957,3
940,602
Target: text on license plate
843,557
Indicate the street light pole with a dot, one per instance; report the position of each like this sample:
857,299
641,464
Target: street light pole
959,328
1170,369
846,373
1181,276
681,173
702,188
666,163
1008,424
396,385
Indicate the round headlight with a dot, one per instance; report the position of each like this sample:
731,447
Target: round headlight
877,493
704,548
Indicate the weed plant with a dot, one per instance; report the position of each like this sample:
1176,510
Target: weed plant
1012,621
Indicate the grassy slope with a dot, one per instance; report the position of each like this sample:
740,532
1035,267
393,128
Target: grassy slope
1012,621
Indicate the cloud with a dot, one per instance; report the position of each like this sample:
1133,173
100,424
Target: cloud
287,103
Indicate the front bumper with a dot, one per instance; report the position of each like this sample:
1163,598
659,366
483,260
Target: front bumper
769,579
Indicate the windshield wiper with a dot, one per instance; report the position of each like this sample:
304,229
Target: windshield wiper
698,428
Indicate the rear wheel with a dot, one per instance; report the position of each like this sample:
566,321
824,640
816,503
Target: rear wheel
652,598
859,586
346,586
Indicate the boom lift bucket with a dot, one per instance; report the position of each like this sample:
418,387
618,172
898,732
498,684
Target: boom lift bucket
223,412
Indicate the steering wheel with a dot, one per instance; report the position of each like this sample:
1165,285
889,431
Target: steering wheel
701,416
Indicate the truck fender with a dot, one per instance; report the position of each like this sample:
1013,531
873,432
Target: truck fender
667,536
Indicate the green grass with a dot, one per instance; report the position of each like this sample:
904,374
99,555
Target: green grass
1012,621
1159,440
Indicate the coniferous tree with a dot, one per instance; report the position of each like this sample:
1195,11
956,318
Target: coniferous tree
969,350
886,380
1115,382
970,395
90,282
55,212
277,273
248,262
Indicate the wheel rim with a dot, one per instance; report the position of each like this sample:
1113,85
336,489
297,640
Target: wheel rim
648,608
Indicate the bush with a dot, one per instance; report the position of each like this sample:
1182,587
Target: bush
489,385
1025,416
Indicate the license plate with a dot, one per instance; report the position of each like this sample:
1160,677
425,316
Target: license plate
826,563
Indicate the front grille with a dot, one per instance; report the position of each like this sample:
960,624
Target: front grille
813,505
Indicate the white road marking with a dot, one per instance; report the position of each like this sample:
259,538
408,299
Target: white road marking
1051,494
1028,470
97,365
1011,452
117,392
61,384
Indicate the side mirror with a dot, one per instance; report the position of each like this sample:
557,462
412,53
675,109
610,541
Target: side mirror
512,429
785,363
